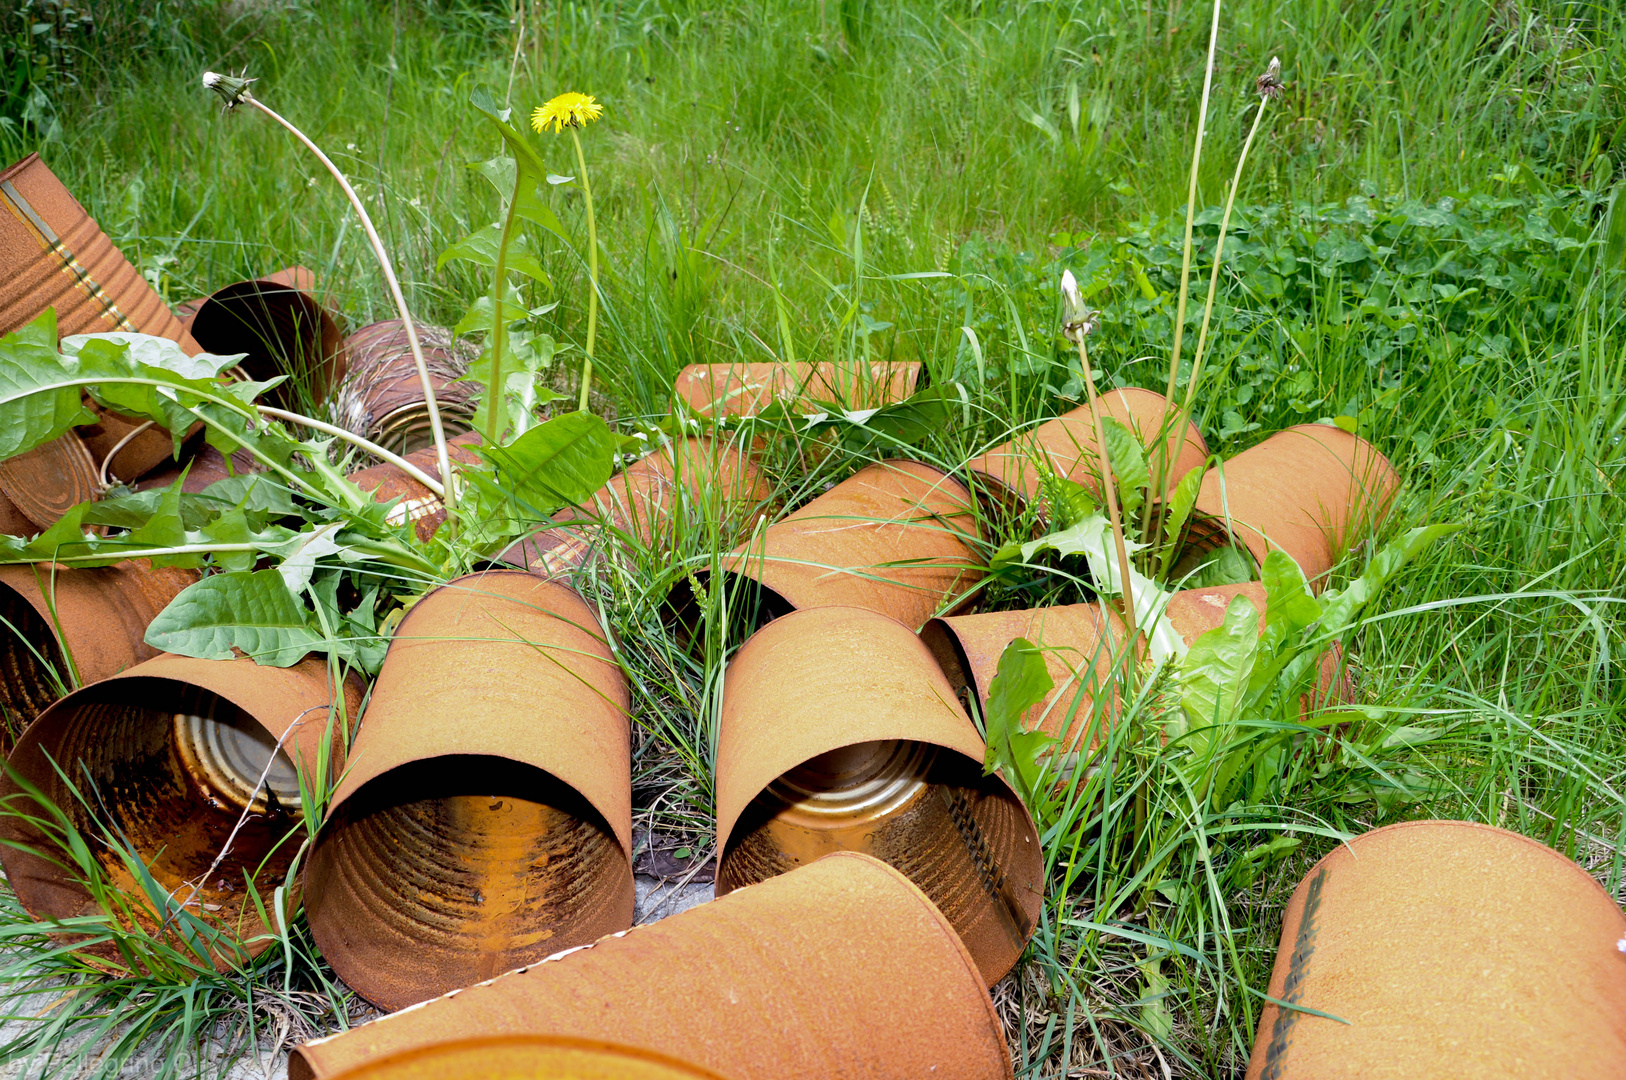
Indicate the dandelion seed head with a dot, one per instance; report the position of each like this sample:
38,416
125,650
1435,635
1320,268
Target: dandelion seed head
1270,83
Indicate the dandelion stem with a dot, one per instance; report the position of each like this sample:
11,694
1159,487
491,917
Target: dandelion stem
1213,279
449,499
592,270
1110,487
495,391
1161,472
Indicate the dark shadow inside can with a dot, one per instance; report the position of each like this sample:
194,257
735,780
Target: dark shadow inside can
33,673
171,770
927,811
748,605
282,331
445,872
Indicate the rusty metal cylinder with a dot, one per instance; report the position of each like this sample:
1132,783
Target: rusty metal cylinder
1312,491
1446,948
283,329
1069,447
486,819
176,749
527,1057
55,256
840,733
895,537
59,623
718,390
641,500
382,396
840,968
49,480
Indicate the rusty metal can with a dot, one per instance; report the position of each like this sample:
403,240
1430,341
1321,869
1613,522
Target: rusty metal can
382,397
486,819
718,390
895,537
1312,491
1068,447
640,502
63,626
283,329
840,733
51,479
841,968
57,257
527,1057
414,503
1446,948
198,766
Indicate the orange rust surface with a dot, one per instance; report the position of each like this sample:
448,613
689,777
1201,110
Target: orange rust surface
1311,491
417,504
640,501
892,538
122,731
747,389
842,968
486,820
1068,446
825,680
521,1057
57,257
1449,949
50,479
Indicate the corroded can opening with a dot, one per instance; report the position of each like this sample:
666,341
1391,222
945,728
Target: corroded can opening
232,757
527,1057
33,672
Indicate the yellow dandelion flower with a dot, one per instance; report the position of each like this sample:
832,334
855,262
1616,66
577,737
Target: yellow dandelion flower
566,110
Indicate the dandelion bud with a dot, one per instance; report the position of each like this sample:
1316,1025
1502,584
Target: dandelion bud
1077,321
1270,83
231,88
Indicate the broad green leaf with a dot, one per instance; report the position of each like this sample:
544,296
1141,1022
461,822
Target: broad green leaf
34,407
481,249
558,463
1181,502
253,612
523,360
1021,682
1129,467
1214,672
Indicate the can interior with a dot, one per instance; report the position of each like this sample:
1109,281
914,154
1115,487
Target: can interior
173,769
963,838
33,673
444,872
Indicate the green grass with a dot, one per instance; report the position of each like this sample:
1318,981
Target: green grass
765,177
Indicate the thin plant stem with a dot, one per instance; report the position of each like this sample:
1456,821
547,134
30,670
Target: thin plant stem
1111,488
1185,258
449,497
494,387
1213,278
592,270
359,442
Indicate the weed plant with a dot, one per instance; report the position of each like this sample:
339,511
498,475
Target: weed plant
1428,247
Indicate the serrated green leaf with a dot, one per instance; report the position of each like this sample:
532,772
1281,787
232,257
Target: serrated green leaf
480,248
1129,467
1181,502
558,463
253,612
1021,682
1215,670
33,408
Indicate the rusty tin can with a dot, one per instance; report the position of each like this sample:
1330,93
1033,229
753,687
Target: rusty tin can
1446,948
57,257
486,819
840,733
282,327
640,502
895,537
841,968
50,479
1068,447
95,618
204,466
1312,491
717,390
382,397
177,749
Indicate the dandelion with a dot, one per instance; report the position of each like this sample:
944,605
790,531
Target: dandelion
574,111
1077,320
570,110
1270,83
